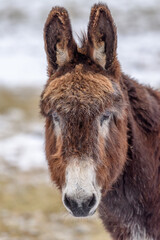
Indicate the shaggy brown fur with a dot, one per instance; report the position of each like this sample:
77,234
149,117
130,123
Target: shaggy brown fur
83,84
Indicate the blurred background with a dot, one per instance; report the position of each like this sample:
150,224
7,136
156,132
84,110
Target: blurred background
30,206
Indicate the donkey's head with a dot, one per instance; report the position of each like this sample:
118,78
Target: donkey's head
84,107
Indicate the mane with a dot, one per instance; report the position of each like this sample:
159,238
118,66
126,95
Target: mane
83,39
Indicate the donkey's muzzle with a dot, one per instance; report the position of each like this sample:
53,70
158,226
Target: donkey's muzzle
80,208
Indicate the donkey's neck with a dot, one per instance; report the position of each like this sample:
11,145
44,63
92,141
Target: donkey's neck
143,135
131,203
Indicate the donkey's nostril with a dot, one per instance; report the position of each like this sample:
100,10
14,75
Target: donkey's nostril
67,201
91,202
70,203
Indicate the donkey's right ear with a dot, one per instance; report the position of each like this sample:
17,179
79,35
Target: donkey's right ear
59,44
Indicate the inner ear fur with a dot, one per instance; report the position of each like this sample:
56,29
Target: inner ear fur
102,36
59,43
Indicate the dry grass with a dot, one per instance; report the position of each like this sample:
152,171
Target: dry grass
19,111
24,99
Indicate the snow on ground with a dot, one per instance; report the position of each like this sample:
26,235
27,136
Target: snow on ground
24,150
21,142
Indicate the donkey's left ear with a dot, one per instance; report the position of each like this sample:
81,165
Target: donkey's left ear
102,36
59,43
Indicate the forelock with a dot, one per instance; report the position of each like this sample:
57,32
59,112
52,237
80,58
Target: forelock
79,89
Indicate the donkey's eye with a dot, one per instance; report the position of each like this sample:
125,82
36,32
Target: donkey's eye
55,117
105,117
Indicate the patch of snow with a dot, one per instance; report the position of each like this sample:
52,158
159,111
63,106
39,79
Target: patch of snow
24,150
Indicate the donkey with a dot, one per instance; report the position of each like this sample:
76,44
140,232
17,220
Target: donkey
102,129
